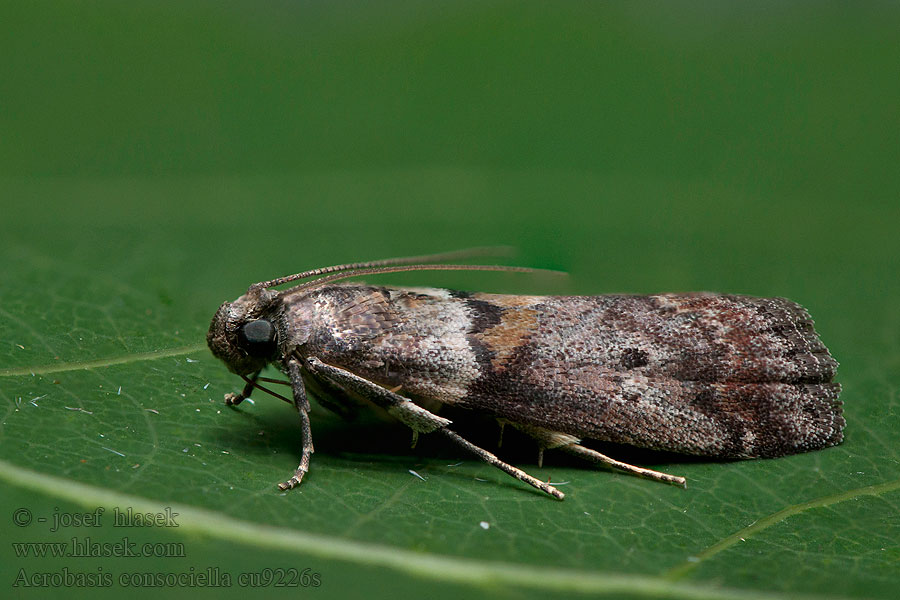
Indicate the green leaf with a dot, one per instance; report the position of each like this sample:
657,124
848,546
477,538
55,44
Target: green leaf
163,157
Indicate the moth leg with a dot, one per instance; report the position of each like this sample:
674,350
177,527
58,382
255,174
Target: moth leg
502,424
548,439
403,409
594,456
419,419
505,467
301,403
235,399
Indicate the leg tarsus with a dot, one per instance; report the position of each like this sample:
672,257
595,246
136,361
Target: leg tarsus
295,480
505,467
232,399
549,439
594,456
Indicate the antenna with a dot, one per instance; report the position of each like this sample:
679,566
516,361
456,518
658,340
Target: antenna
402,268
406,260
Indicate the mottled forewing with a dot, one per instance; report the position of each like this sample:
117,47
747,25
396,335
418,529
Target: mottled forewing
709,374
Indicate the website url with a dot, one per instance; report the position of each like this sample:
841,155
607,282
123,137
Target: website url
85,547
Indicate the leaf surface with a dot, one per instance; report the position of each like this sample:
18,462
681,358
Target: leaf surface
166,181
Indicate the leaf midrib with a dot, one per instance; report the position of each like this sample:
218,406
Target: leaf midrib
431,566
101,362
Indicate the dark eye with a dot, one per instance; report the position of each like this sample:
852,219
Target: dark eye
257,338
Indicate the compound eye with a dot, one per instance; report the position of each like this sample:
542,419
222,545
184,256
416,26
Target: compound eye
257,338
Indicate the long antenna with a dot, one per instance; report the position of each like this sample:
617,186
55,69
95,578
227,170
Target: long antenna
405,260
402,268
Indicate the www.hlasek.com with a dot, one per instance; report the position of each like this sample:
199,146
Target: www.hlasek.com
192,578
85,547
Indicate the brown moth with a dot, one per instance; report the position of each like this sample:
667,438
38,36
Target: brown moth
715,375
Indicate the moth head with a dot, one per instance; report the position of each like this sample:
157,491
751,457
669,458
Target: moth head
243,333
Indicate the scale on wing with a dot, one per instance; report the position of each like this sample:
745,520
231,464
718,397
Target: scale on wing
709,374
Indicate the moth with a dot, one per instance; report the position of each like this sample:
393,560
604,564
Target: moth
716,375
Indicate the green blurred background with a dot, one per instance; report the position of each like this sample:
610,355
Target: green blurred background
157,157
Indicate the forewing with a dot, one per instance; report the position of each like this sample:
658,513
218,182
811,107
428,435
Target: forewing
709,374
